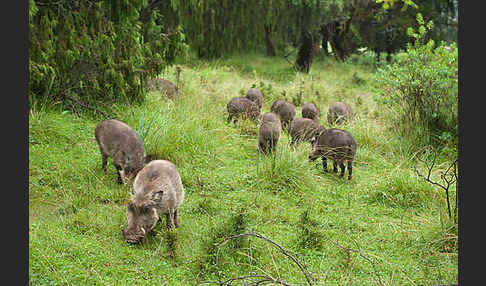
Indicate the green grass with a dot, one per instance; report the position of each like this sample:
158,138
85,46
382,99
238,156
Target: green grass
386,219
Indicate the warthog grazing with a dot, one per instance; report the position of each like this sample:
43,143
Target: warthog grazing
304,129
242,107
309,110
166,87
269,132
337,145
156,190
339,112
276,104
285,110
255,95
120,142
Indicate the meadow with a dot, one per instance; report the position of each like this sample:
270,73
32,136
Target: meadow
386,226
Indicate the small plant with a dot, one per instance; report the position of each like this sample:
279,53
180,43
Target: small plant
309,235
297,99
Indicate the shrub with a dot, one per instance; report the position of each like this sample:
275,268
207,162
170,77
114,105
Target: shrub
421,89
83,52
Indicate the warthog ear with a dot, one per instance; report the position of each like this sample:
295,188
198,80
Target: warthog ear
131,206
147,159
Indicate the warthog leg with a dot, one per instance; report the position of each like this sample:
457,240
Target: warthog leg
350,169
119,171
324,164
169,219
343,168
176,222
334,166
103,163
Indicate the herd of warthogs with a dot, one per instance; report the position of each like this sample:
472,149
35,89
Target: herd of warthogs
155,185
333,143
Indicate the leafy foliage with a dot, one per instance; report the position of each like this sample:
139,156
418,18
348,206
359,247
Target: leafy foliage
422,88
96,51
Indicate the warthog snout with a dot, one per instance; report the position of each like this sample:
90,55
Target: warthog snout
134,235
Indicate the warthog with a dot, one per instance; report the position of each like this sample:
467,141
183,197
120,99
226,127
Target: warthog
120,142
156,190
339,112
309,110
242,107
304,129
276,104
255,95
165,86
285,110
337,145
269,132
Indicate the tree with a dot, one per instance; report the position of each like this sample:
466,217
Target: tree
81,52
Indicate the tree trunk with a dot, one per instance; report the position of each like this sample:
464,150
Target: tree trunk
271,50
309,46
325,39
339,41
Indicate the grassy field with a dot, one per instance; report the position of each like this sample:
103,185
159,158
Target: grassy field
386,226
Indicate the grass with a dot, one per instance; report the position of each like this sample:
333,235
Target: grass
386,224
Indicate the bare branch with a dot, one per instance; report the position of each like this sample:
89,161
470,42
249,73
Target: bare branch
447,177
259,279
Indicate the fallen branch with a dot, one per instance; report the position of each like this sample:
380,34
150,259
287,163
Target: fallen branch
285,252
262,279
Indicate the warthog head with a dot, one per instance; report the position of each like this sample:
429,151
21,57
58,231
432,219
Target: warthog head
142,218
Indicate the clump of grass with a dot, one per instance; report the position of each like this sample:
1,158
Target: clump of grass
285,168
400,190
310,236
214,253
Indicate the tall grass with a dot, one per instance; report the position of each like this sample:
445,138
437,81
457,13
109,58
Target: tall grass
386,213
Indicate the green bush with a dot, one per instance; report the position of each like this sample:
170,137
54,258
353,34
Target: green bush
421,89
84,52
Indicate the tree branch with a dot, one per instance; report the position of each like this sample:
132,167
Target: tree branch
284,251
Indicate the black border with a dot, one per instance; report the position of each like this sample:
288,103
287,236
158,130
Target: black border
470,206
15,141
